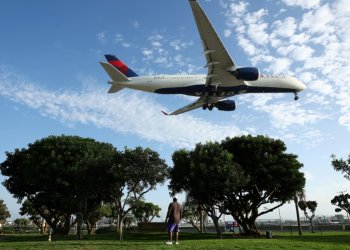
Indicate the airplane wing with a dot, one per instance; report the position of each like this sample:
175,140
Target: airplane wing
198,103
219,62
218,59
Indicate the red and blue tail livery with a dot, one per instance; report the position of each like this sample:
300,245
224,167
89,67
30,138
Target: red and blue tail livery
120,65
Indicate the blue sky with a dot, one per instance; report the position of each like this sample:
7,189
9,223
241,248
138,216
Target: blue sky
51,82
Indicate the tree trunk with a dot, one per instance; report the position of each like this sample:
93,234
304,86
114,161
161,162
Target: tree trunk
312,226
192,222
201,220
250,228
217,227
120,226
298,216
248,224
79,226
89,227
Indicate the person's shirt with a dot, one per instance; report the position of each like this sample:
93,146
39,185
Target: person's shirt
174,212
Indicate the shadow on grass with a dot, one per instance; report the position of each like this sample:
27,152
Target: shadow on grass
144,239
130,236
340,238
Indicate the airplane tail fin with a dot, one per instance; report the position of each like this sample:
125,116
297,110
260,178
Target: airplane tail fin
120,65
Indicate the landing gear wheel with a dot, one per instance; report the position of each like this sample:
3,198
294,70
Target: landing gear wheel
205,106
211,107
296,97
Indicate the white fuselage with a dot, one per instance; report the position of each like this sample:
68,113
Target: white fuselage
194,85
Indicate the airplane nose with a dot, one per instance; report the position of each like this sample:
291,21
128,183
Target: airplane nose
301,86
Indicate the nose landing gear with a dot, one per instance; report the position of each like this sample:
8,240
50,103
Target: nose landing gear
296,97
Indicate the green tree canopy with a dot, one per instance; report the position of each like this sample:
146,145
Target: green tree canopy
273,177
142,171
342,165
21,222
4,212
29,210
207,173
59,174
308,207
239,176
342,201
146,211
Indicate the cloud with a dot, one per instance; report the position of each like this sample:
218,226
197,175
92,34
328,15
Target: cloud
315,48
305,4
101,37
136,24
319,20
136,114
227,33
178,44
147,52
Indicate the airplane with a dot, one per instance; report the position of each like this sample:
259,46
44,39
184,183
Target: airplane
224,78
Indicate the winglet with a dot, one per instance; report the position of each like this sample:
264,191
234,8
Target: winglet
165,113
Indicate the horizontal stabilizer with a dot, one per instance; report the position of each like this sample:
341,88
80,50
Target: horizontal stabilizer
114,73
115,89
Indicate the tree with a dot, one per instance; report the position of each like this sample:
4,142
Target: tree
311,206
28,209
342,202
21,222
96,212
208,174
237,177
272,177
298,196
142,170
58,175
342,165
191,214
146,211
4,212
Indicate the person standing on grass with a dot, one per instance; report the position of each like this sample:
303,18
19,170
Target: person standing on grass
173,219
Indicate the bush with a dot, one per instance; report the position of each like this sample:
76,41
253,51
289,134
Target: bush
108,229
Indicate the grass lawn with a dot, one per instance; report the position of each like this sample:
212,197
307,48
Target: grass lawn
328,240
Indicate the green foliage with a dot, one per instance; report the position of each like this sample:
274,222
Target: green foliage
4,212
146,211
306,207
208,173
342,201
238,176
273,177
21,222
95,213
58,174
142,171
103,230
34,216
342,166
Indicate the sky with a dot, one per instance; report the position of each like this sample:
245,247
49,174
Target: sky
51,82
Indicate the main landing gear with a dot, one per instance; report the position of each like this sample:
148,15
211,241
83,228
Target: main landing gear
208,106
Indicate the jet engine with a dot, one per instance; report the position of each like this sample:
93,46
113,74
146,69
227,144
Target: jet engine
227,105
246,74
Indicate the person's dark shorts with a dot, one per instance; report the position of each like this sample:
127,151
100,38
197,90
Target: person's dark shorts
173,227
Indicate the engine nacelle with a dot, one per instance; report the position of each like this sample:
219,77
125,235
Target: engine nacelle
227,105
247,73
